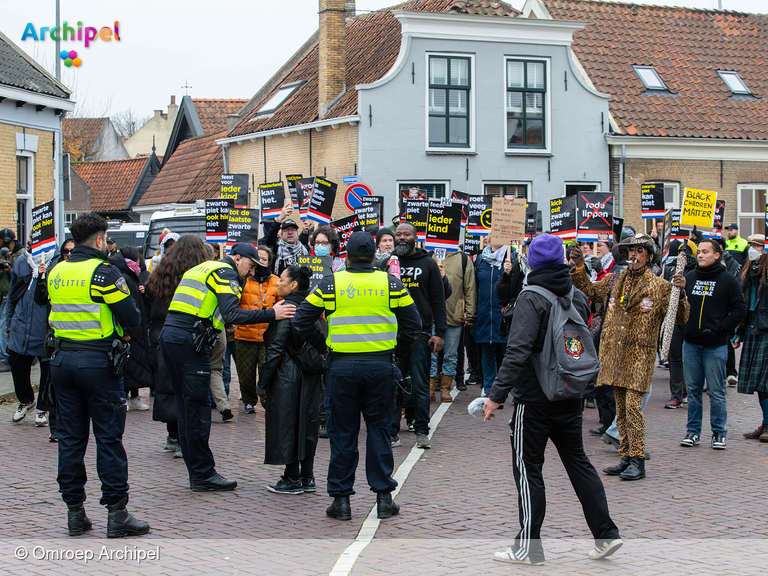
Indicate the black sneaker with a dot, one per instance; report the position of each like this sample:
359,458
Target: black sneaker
692,440
309,484
718,441
226,414
286,486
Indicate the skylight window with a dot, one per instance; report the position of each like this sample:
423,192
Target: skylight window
650,78
734,82
278,98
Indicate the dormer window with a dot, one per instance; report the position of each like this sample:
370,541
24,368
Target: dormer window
734,82
279,97
650,77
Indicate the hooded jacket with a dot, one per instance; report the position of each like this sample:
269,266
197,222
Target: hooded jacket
460,273
27,320
717,306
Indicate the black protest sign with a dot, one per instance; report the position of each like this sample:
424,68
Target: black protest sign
291,179
479,215
416,213
321,267
618,226
272,196
652,201
243,226
344,228
371,213
412,193
530,219
676,232
443,226
473,245
304,189
562,217
235,187
43,229
717,224
594,216
322,200
463,198
667,237
217,219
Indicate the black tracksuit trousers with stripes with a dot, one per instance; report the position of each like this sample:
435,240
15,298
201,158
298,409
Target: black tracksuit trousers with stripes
530,428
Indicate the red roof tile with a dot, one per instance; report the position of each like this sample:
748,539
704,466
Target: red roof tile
193,172
213,113
686,47
111,182
373,42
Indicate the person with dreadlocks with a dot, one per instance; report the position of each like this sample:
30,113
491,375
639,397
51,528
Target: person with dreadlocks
637,305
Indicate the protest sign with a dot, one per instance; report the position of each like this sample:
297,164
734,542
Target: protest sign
322,200
562,217
508,223
344,228
530,218
412,193
717,224
243,226
272,197
667,238
321,267
479,215
594,216
43,229
677,233
291,179
304,189
416,213
371,213
652,200
618,226
217,219
443,226
235,187
698,209
473,245
463,199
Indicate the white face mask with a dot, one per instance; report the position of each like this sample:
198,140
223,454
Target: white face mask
754,253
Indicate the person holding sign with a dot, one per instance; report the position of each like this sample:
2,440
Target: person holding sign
207,298
287,247
637,305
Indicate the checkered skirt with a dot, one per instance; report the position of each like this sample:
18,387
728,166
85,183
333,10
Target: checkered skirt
753,368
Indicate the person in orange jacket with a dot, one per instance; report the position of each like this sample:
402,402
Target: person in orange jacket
259,293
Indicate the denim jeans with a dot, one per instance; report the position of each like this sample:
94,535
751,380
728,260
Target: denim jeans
417,366
700,363
492,356
450,351
3,331
613,430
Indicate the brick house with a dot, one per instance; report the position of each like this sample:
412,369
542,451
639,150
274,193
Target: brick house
88,139
687,104
31,106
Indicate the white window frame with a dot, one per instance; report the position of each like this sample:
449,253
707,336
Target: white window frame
289,89
730,73
662,86
29,196
445,183
597,186
547,105
472,108
750,215
508,183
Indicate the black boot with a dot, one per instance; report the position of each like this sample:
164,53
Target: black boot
636,470
77,521
340,509
385,506
120,523
619,468
215,483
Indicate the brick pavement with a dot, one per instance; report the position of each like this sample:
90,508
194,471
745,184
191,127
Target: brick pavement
699,511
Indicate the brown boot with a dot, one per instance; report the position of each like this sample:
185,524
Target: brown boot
757,434
445,388
432,382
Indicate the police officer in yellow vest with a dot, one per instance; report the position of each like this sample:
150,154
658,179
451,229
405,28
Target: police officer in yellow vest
90,306
371,320
207,298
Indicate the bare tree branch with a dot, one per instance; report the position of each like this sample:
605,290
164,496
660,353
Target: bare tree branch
128,122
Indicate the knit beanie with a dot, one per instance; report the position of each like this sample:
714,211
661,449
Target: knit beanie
545,250
383,232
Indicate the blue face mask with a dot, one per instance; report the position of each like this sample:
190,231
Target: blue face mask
322,250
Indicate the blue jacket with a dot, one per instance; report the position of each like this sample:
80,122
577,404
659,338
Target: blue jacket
488,303
28,321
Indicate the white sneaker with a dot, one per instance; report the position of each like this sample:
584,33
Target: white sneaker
137,404
732,381
22,412
509,556
605,549
41,419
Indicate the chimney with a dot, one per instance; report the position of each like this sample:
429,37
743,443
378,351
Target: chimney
333,52
173,100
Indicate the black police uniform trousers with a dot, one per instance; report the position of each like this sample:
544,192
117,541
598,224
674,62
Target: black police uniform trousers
353,387
191,380
531,427
87,390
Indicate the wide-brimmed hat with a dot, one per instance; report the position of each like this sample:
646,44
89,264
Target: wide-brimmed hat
646,242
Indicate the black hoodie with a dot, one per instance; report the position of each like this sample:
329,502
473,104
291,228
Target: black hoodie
717,305
527,331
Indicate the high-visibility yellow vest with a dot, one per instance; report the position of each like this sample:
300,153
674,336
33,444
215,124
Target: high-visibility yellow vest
194,297
74,314
737,243
362,321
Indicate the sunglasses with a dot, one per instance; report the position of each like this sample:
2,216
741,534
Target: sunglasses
66,251
637,249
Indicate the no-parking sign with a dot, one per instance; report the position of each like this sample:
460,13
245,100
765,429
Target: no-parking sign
354,193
